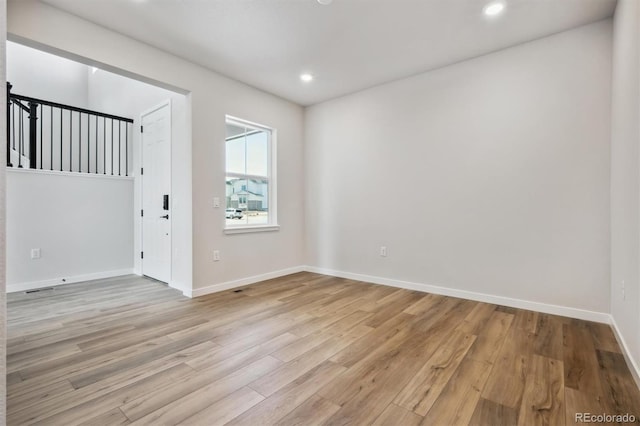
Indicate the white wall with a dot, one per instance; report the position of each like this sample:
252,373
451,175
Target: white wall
83,225
3,297
45,76
625,175
115,94
489,176
199,172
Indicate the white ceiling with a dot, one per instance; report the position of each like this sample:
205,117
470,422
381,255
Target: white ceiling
348,46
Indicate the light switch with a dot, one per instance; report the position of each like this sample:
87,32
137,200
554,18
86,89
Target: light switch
216,202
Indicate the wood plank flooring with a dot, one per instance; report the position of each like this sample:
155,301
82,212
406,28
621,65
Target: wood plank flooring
305,349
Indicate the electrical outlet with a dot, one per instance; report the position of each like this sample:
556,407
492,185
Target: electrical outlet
216,202
35,253
216,255
383,251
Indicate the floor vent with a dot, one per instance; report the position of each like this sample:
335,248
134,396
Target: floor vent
237,291
38,290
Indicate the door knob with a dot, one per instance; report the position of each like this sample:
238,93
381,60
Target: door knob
166,216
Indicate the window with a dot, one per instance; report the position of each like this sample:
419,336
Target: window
250,177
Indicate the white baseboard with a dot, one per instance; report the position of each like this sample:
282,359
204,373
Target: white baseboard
242,282
32,285
470,295
631,363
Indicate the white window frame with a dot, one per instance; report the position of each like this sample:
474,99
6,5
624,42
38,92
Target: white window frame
272,225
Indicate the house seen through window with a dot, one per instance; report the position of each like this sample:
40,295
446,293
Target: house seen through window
249,175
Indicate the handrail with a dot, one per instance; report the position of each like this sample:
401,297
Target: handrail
69,107
20,104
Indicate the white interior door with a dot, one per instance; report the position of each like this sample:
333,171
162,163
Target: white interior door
156,193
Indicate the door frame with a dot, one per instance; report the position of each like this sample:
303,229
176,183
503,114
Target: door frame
165,103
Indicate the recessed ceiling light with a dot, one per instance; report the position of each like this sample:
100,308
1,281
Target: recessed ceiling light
325,2
306,77
494,8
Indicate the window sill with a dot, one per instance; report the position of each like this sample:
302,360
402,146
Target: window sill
250,229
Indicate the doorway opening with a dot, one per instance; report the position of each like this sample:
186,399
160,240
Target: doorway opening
85,219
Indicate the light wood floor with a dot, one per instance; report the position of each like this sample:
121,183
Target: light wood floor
304,349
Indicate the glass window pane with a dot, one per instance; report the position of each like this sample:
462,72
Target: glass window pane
236,195
248,161
235,155
258,201
258,153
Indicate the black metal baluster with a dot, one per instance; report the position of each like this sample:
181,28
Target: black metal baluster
51,140
20,143
119,145
60,139
13,124
96,144
79,142
104,146
41,134
126,144
112,147
70,141
88,143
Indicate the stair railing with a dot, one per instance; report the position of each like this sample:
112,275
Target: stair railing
101,140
